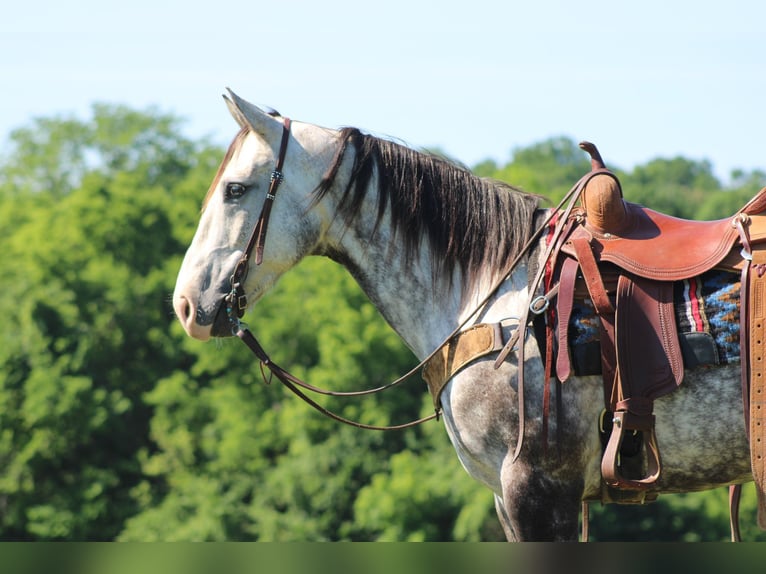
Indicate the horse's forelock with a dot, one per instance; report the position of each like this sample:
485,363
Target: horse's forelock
235,144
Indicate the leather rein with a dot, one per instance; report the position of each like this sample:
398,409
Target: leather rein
236,303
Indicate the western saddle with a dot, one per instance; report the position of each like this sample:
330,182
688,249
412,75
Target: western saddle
624,258
641,359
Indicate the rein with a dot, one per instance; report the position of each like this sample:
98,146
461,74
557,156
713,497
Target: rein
236,304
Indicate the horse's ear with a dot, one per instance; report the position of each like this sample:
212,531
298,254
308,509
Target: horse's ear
235,113
250,115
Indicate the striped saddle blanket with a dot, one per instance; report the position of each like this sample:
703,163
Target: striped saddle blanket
707,318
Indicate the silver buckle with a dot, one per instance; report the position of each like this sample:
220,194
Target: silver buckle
539,305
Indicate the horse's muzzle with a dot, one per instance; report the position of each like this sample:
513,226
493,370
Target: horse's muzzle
202,321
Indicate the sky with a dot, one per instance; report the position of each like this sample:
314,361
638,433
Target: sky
475,79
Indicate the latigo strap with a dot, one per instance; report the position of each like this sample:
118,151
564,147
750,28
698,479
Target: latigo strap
757,364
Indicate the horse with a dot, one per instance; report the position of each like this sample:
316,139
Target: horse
438,250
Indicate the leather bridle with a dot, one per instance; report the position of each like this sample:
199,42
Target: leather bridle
236,300
236,303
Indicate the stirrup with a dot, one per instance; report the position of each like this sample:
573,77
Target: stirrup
623,422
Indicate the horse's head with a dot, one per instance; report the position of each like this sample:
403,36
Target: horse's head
233,208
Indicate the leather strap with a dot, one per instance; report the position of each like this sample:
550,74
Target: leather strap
295,385
236,301
744,315
463,348
565,302
592,275
757,363
735,494
605,311
276,179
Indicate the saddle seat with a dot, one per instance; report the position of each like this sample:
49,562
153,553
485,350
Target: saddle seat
662,247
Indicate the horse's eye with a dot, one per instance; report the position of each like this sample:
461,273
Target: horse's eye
235,190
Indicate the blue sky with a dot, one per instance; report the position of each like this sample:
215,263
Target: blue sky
476,78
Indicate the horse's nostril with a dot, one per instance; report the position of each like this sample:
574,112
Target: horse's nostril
184,310
188,315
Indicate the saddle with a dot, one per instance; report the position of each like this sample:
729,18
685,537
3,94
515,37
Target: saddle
624,258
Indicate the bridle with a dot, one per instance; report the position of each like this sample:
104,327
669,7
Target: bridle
236,302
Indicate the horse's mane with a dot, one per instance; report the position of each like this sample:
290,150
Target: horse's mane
468,222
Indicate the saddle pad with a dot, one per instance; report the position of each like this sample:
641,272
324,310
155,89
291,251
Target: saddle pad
707,319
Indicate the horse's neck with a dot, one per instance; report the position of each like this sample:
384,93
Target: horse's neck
421,311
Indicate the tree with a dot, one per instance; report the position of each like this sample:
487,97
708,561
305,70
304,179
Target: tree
54,155
675,186
88,266
548,168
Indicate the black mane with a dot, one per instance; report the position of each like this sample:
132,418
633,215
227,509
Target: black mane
469,223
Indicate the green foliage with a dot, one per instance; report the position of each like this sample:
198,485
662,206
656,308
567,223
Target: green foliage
549,168
87,268
116,426
55,154
676,186
425,496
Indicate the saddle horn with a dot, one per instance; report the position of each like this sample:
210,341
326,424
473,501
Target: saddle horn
605,210
595,157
